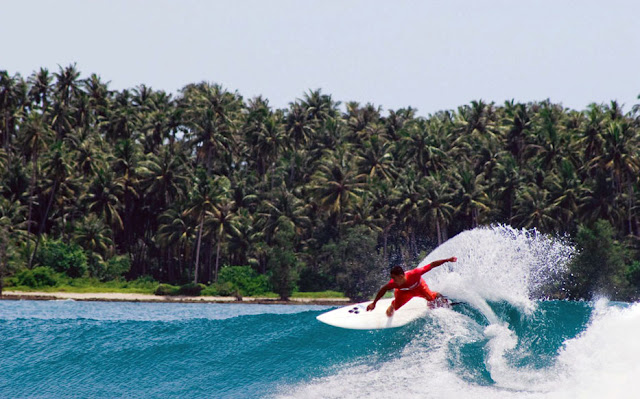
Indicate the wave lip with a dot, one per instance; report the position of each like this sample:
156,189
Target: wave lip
499,263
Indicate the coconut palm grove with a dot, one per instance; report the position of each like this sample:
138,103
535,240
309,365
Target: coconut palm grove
206,191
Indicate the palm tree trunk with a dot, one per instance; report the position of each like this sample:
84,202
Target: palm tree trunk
385,241
629,205
217,261
385,238
292,170
195,271
3,257
44,221
414,245
6,136
31,190
181,261
207,250
165,262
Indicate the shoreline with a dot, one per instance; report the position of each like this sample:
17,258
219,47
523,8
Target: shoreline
130,297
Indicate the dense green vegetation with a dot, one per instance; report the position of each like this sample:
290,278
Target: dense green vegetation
117,185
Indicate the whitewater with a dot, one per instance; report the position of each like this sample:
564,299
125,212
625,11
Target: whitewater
504,341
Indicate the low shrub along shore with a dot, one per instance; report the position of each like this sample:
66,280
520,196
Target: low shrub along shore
45,280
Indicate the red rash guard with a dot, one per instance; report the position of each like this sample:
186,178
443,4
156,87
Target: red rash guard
413,286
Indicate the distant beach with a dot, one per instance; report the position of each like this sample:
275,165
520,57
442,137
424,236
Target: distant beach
131,297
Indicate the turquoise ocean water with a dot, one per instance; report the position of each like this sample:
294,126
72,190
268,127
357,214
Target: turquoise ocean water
503,342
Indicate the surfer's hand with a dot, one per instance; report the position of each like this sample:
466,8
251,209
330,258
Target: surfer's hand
371,306
453,259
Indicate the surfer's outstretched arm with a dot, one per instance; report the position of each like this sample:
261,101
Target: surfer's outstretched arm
383,290
437,263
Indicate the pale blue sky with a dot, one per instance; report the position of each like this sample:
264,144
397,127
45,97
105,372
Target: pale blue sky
431,55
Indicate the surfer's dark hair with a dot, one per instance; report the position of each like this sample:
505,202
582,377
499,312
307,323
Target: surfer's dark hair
397,270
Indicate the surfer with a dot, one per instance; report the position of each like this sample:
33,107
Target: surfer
408,285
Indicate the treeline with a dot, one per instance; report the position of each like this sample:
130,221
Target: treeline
315,196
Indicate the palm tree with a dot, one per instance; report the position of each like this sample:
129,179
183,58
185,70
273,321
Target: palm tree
423,144
474,128
327,138
3,252
88,156
264,135
207,141
385,200
157,122
335,186
362,121
409,217
298,125
3,162
103,198
129,167
504,184
15,184
176,232
205,198
620,159
364,213
437,205
67,83
94,236
12,231
66,88
590,141
57,166
282,203
164,177
221,222
535,209
35,136
12,98
121,121
566,192
614,111
375,159
242,245
471,196
299,128
211,117
99,96
82,114
397,121
516,124
551,141
40,88
318,106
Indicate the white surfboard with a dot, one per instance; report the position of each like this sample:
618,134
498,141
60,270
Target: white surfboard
356,316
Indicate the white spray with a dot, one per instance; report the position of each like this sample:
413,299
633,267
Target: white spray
495,265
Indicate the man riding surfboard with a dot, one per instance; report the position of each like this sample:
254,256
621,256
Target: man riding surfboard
408,285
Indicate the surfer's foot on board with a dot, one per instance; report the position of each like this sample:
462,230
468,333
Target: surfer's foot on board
390,311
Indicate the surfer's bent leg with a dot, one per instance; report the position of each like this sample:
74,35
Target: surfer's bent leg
402,297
